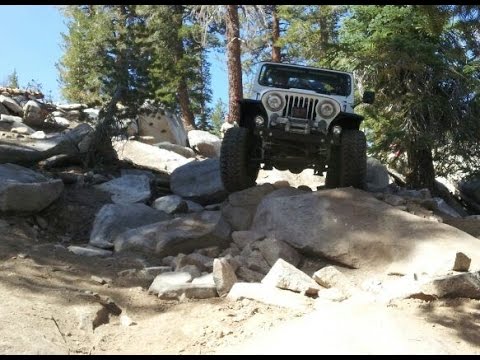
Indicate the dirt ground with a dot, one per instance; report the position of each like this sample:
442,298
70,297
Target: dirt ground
51,305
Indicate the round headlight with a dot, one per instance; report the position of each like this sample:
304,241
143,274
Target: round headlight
326,109
274,102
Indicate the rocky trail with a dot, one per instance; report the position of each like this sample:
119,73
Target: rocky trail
150,255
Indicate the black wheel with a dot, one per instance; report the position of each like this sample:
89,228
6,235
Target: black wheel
237,171
353,159
332,179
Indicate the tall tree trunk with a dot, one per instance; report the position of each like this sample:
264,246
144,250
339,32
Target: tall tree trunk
276,56
182,89
420,173
235,87
203,111
184,101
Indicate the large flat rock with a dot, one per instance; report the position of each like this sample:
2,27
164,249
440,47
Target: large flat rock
199,181
353,228
204,143
128,189
32,150
184,234
24,190
113,219
270,295
148,156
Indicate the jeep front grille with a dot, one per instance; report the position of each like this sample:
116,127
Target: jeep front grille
306,105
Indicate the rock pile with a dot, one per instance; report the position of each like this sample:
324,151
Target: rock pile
276,245
273,242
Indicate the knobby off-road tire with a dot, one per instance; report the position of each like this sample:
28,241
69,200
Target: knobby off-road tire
347,165
353,159
237,172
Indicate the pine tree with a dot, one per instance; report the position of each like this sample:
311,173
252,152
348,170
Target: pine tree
104,51
12,80
414,58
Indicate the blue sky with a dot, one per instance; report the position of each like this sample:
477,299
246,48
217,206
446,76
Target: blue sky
31,44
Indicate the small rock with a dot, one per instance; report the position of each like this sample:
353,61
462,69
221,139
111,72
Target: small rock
152,271
234,261
126,321
202,262
269,295
193,206
243,238
11,105
173,278
232,250
248,275
206,279
466,285
69,107
171,204
87,316
191,269
211,252
41,222
89,251
330,277
256,261
128,189
188,291
61,121
223,276
286,276
304,188
169,261
273,249
462,262
100,280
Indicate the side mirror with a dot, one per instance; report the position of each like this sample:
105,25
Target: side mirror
368,97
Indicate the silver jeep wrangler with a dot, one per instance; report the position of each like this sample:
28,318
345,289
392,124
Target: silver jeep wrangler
299,117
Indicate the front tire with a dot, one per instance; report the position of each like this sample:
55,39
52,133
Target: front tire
236,169
353,153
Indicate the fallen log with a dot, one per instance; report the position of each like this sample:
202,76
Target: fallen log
399,178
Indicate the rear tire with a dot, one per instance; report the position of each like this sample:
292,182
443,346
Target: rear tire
236,169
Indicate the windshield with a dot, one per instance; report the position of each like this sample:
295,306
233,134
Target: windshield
321,81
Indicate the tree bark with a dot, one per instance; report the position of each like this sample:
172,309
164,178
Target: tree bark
276,56
235,87
421,173
182,89
184,101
